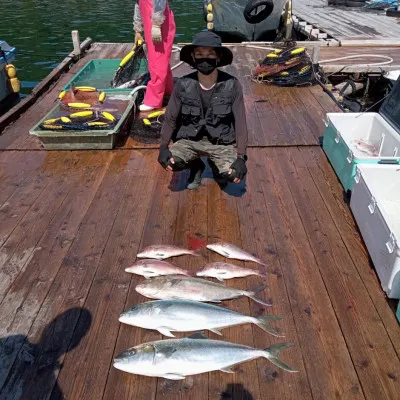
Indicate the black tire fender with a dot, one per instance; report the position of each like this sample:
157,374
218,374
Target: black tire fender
267,6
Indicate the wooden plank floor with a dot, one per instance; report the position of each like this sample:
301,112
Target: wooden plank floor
344,23
63,284
71,221
300,105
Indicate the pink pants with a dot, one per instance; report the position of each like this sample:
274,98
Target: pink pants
159,55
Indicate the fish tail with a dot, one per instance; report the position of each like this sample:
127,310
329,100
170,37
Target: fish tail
273,352
261,274
253,296
259,261
264,324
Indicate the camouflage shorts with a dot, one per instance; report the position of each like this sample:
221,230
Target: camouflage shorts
223,156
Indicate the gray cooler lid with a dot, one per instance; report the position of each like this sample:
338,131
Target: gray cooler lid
390,109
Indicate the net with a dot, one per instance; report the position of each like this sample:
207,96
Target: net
287,65
133,69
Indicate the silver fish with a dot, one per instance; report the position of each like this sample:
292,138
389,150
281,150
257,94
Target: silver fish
186,316
189,288
161,252
231,251
177,358
222,270
150,268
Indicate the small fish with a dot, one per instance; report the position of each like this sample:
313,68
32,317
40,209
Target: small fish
189,288
231,251
167,316
150,268
367,148
177,358
222,270
161,252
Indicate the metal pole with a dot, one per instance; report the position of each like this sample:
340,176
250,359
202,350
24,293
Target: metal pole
289,23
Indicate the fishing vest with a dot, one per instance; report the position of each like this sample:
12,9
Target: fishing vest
218,120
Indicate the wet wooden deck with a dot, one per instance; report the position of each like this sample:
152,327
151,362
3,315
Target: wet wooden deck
71,221
347,23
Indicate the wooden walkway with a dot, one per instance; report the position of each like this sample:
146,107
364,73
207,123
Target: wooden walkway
71,221
347,24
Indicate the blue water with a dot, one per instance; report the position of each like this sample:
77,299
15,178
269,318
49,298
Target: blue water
41,29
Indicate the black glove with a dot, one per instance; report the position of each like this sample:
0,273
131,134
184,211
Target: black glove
239,166
164,156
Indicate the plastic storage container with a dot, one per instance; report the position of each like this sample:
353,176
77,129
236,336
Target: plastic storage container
375,203
88,139
7,58
366,138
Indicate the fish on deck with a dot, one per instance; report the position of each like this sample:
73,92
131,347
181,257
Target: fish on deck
190,288
222,270
168,316
177,358
162,252
150,268
231,251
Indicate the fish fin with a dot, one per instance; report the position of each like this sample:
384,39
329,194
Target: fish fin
219,278
216,331
194,253
273,353
259,289
253,296
228,370
164,353
174,377
263,323
165,331
198,335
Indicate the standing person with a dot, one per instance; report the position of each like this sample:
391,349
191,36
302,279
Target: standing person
157,21
206,116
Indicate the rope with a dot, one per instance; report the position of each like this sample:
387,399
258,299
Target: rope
389,60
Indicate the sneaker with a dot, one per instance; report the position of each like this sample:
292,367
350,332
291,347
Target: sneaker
197,168
143,107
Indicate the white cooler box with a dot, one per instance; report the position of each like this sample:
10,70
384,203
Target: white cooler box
375,203
351,139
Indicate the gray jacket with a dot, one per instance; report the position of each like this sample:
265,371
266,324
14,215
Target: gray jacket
157,17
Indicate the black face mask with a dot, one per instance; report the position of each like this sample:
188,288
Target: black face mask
205,65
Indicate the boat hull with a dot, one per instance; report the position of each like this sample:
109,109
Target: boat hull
231,25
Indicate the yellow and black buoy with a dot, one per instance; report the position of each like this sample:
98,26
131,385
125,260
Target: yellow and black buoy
15,84
210,16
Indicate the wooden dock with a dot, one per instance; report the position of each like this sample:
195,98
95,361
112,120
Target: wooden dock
71,221
346,24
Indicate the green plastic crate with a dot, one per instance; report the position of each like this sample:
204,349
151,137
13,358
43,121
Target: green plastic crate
99,73
82,140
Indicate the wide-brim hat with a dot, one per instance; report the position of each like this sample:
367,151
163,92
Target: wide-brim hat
207,39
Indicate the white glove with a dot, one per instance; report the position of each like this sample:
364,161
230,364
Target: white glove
156,34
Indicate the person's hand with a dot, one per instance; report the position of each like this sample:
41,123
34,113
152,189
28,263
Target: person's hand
239,166
171,161
156,34
165,157
138,36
